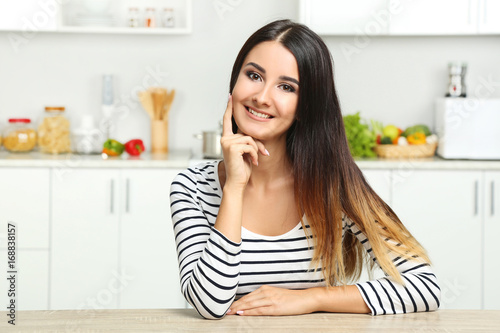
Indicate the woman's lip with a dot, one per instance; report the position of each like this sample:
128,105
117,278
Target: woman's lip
254,117
257,110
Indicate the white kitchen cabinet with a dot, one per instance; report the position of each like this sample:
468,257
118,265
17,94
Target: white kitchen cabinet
489,17
32,279
442,209
24,201
380,181
147,248
112,240
85,231
431,17
327,17
491,232
401,17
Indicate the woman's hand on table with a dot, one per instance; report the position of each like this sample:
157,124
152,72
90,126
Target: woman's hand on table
274,301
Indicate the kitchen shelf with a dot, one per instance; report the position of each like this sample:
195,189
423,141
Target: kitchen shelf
124,30
27,16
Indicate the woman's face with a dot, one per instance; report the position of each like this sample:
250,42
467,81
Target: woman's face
266,93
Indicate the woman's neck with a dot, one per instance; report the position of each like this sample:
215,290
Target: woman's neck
275,167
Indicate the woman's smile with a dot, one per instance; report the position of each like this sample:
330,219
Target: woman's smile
258,115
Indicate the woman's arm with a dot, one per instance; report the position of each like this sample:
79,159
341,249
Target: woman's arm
208,260
421,291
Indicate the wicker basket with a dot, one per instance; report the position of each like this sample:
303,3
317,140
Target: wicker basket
409,151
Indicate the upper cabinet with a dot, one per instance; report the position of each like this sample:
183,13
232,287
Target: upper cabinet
489,17
328,17
434,17
97,16
402,17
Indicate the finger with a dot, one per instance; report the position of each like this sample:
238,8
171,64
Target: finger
262,149
241,145
260,311
227,125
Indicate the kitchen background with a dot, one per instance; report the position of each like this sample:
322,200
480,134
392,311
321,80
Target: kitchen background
91,222
394,79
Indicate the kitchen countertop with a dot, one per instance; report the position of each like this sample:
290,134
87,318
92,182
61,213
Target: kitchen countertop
173,159
184,158
187,320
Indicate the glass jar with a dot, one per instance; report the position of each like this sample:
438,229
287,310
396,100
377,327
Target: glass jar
167,18
54,132
133,17
150,18
19,136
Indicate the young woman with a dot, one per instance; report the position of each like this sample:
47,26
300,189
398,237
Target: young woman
282,224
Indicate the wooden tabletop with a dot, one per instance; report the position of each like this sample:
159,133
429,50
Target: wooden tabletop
187,320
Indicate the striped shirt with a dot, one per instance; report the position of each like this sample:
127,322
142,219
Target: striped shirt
215,271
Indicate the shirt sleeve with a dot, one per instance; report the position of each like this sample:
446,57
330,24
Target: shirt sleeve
209,263
386,296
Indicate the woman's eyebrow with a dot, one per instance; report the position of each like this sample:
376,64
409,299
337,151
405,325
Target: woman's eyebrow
283,77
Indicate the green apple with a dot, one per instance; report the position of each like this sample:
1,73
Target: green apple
391,131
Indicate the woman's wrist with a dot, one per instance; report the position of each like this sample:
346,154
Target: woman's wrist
344,299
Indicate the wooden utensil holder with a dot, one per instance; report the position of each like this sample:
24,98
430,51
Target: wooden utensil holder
159,136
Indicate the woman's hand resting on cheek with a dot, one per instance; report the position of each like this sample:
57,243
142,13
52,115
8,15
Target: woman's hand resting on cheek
273,301
240,151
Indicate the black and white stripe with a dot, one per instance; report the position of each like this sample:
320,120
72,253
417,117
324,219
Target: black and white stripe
215,271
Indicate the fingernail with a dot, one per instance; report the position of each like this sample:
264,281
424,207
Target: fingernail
267,153
239,312
229,96
228,311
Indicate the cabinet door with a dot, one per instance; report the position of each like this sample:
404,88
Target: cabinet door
363,17
430,17
491,232
24,200
441,208
32,279
489,17
380,181
148,251
85,235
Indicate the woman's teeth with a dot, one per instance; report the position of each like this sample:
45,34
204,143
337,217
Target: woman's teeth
258,114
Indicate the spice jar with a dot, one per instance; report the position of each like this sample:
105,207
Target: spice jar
19,136
53,132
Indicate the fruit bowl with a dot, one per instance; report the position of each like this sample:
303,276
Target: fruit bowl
407,151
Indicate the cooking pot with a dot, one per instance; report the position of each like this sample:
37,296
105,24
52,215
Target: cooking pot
211,144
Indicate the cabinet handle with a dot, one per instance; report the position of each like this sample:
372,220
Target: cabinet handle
476,199
127,196
112,196
492,197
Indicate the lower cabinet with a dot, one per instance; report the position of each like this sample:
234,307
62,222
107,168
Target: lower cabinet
442,209
112,240
491,232
24,202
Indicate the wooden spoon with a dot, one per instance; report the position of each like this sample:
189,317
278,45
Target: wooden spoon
168,103
147,103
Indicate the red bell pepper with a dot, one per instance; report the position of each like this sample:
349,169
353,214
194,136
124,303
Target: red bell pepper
134,147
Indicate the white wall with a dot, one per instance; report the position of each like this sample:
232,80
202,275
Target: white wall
392,79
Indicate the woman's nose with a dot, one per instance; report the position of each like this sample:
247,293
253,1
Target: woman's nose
263,95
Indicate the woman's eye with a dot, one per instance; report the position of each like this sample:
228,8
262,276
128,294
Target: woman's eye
287,87
253,76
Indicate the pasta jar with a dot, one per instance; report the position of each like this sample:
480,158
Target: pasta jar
19,136
54,132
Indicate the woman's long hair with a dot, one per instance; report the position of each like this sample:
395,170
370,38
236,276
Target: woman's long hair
327,181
